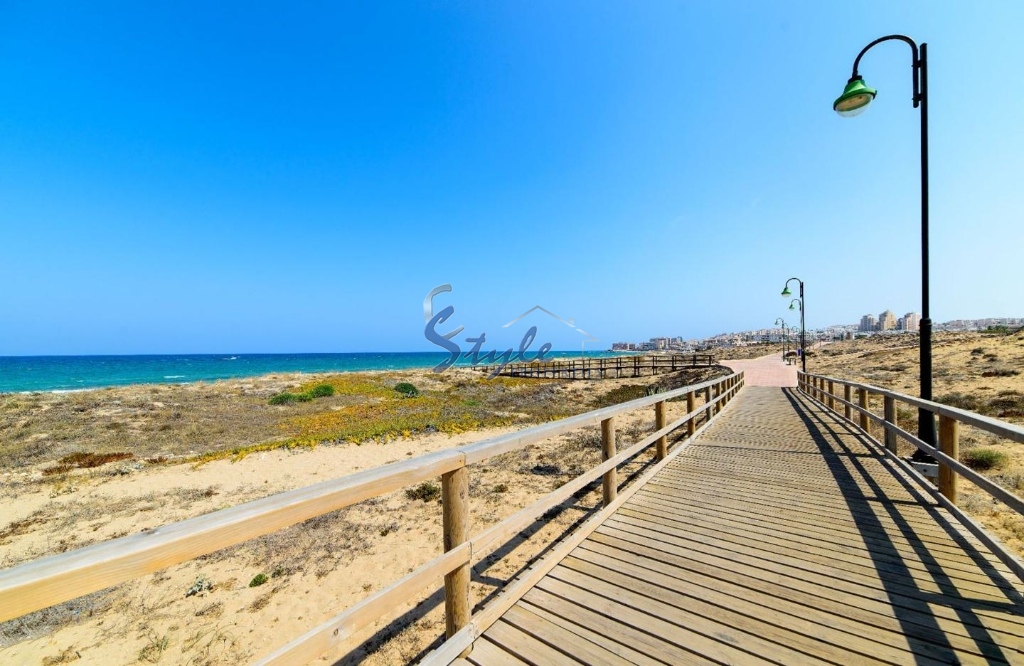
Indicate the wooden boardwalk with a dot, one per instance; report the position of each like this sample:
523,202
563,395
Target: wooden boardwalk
779,537
614,367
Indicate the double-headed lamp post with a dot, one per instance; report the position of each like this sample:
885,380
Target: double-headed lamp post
854,101
785,336
803,330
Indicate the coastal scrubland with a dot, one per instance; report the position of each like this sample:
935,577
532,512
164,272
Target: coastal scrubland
83,467
78,468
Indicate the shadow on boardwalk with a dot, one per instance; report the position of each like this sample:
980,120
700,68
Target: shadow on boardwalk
864,497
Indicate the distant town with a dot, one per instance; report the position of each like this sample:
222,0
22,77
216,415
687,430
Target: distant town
885,323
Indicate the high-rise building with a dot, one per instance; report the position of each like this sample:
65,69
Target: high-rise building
868,323
911,322
886,321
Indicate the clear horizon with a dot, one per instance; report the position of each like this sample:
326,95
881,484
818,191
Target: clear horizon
298,178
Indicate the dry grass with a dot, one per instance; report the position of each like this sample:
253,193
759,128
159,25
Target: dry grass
155,619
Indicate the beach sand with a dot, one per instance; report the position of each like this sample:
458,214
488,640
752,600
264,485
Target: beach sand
313,570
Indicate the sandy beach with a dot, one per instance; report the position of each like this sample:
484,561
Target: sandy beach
201,447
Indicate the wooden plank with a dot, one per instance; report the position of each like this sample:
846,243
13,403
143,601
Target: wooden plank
526,647
805,506
813,633
814,561
854,528
670,625
562,612
819,589
486,653
845,614
876,556
891,591
656,639
552,633
840,537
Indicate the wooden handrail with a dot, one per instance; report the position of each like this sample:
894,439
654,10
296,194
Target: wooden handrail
892,430
947,453
604,367
996,427
50,580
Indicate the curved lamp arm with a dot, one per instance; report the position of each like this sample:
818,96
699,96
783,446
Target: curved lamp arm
915,64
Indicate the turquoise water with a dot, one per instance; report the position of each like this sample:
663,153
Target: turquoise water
64,373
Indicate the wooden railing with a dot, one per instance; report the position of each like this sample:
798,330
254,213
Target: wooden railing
51,580
612,367
823,390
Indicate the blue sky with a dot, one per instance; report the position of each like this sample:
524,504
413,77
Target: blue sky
261,177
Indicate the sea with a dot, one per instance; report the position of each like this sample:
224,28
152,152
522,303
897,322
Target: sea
70,373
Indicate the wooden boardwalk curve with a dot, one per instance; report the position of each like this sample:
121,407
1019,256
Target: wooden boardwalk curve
780,536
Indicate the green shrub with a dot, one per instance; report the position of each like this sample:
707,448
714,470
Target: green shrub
318,391
426,491
258,580
407,389
984,458
321,391
283,398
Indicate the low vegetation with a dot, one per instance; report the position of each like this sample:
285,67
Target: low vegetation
984,458
318,391
426,491
407,389
85,460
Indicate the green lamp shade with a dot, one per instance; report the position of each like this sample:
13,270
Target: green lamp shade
855,98
792,307
786,291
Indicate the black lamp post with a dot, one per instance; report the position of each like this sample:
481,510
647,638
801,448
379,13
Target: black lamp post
785,335
852,102
803,330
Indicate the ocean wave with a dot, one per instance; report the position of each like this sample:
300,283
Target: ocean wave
173,376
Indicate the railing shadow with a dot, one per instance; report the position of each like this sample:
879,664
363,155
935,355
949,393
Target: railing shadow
638,466
913,613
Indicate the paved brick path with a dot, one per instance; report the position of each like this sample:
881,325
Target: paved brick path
768,370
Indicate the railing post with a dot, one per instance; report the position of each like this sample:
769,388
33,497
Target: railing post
949,443
707,401
890,417
848,397
691,404
831,395
455,522
862,399
659,423
610,482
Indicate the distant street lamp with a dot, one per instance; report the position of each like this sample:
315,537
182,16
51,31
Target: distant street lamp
803,330
854,101
785,335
